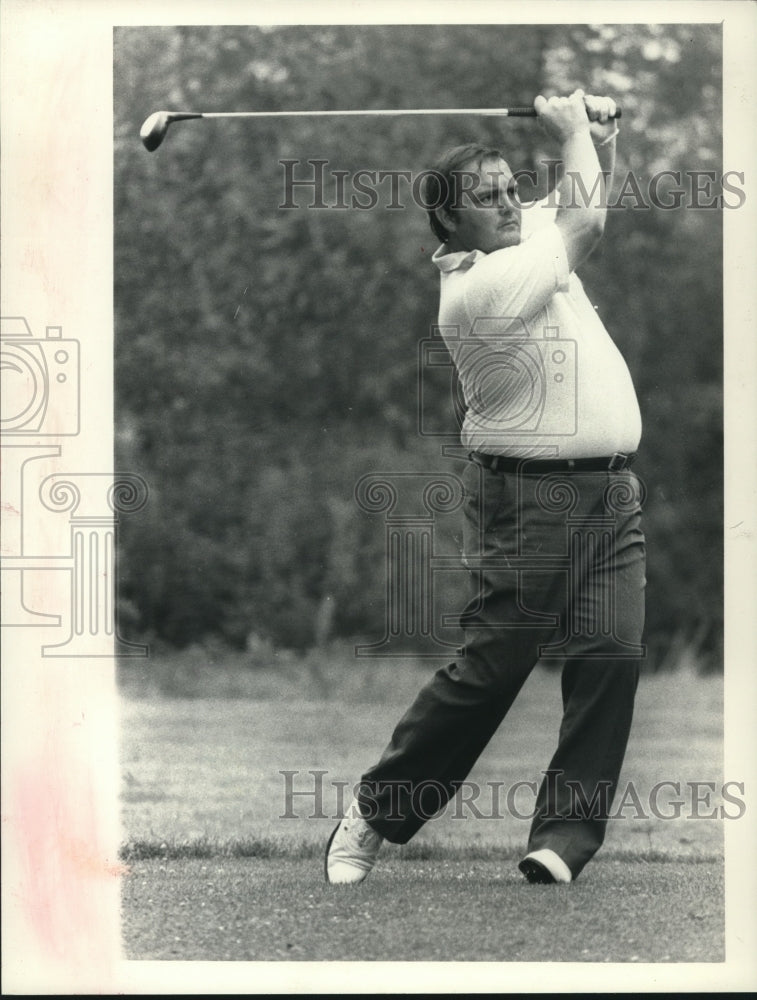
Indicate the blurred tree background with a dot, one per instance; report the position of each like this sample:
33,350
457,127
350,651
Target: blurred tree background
267,358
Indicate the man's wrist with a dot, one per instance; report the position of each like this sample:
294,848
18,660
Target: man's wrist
580,135
608,138
582,129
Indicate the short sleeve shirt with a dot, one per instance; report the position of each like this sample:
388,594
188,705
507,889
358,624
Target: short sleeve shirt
540,374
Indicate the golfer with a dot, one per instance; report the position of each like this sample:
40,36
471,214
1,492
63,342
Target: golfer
552,533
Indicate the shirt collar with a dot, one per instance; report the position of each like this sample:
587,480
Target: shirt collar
454,260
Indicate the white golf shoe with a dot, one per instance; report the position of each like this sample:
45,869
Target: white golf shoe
352,849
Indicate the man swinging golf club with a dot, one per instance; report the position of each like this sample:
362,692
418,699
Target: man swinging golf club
552,532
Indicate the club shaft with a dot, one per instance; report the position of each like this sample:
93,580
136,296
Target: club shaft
154,128
519,112
386,112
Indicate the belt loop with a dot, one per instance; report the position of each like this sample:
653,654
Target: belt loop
618,462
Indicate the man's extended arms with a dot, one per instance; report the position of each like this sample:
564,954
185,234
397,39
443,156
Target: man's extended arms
581,218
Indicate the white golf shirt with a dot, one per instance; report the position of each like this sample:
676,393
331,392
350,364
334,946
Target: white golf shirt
540,374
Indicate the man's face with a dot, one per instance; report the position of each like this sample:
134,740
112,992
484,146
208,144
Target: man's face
489,214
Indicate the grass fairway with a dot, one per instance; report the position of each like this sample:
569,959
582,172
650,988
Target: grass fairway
217,871
274,910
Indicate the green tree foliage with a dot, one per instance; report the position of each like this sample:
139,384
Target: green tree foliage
267,357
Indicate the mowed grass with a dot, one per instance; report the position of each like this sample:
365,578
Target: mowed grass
435,911
213,839
208,771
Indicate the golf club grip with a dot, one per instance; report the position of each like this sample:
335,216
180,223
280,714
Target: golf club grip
531,113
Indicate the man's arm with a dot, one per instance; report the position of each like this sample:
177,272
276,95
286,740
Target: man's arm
604,131
580,219
605,147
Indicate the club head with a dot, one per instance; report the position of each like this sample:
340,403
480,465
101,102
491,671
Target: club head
154,129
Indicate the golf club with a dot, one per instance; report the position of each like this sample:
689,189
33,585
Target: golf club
154,129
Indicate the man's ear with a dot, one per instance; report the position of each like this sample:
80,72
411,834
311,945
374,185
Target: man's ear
446,218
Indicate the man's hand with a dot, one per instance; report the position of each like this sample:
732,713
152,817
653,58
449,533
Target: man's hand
563,117
600,111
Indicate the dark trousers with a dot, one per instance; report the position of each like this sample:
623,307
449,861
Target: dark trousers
557,563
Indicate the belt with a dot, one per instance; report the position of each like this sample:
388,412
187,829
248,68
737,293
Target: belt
537,466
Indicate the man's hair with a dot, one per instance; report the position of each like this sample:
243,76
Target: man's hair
442,183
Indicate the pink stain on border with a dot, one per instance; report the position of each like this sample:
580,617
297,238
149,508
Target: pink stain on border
67,880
